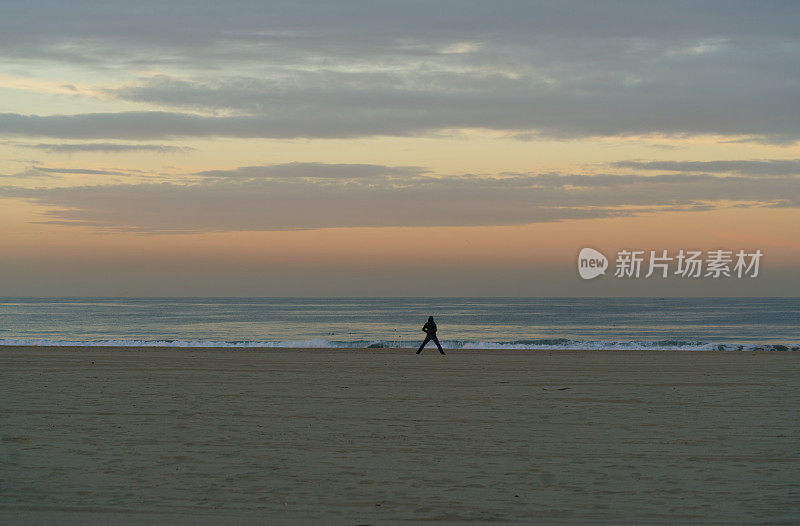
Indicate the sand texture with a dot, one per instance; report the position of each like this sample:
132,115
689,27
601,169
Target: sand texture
385,436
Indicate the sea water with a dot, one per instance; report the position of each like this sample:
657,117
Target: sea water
487,323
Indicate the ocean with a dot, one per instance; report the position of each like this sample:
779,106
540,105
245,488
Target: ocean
487,323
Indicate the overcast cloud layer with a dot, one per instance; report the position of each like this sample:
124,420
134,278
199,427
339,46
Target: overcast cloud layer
314,69
316,195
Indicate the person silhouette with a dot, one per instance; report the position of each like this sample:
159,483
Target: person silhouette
430,329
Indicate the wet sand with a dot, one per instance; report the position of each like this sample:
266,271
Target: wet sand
384,436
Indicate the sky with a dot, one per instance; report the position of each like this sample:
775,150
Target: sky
394,148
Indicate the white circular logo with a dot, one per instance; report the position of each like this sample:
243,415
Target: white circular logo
591,263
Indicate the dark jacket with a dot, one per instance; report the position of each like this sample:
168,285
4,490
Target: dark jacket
429,327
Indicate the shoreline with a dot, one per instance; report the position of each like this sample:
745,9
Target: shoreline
390,350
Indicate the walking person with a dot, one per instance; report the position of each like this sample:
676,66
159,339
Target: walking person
430,329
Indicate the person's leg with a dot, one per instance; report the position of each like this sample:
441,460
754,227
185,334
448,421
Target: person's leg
427,339
436,341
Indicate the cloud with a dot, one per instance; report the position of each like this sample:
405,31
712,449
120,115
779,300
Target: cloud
106,147
785,203
37,170
29,173
579,100
311,69
78,171
743,167
130,33
144,125
313,170
298,196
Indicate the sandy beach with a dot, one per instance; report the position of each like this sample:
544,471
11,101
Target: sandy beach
92,435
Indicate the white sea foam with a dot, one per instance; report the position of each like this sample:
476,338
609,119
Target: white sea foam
322,344
542,345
